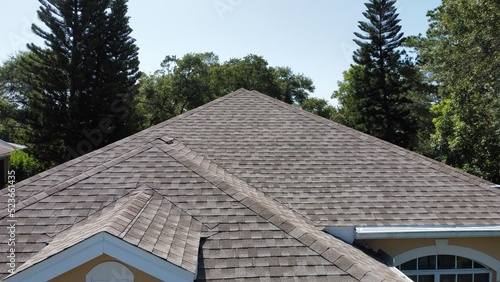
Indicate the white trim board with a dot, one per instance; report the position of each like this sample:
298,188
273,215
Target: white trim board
92,247
351,233
442,248
427,232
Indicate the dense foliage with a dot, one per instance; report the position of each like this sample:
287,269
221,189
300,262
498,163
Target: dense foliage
24,164
461,52
319,107
195,79
380,93
384,94
83,82
82,90
12,113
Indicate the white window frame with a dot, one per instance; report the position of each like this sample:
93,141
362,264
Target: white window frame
110,271
442,248
453,271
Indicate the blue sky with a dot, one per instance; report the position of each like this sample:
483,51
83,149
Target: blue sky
311,37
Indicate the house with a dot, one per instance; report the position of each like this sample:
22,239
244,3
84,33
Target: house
248,188
6,149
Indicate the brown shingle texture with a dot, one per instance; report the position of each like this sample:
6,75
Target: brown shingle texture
143,218
240,189
332,174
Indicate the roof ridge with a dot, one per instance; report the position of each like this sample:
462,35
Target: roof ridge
134,136
116,219
271,210
108,214
419,158
200,108
75,179
155,192
143,189
75,161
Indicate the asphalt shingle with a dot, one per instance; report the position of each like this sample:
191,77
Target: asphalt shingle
241,189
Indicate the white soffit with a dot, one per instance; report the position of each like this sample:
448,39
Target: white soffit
401,232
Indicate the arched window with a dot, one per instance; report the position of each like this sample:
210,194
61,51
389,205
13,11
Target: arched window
110,271
445,268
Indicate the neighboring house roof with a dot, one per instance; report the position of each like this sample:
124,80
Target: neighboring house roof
6,148
243,188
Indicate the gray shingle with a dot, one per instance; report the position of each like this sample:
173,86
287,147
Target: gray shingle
243,193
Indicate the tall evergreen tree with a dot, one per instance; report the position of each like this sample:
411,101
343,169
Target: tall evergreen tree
84,80
375,95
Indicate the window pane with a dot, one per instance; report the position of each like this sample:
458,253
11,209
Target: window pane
464,263
478,265
483,277
409,265
464,277
426,278
413,277
446,262
447,278
428,262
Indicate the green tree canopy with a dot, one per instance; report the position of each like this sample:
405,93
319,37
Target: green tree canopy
461,52
13,100
378,93
319,107
197,78
83,82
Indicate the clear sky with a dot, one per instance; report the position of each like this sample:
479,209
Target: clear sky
311,37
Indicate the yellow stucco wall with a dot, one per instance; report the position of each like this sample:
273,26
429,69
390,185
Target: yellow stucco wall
78,274
395,247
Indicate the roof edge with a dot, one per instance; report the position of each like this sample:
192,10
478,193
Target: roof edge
352,233
68,182
413,232
150,130
434,164
98,244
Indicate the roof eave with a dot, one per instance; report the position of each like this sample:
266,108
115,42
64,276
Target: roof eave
415,232
99,244
351,233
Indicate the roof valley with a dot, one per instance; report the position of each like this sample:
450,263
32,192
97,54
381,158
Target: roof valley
289,221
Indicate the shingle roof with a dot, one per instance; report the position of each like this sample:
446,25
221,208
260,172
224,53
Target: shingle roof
334,175
257,180
143,218
6,148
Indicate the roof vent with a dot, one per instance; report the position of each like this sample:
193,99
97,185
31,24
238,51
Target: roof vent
496,186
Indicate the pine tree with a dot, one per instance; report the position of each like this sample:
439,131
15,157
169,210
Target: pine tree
84,80
376,96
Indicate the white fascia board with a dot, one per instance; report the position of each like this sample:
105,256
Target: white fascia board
5,144
403,232
61,262
102,243
17,146
4,155
345,233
